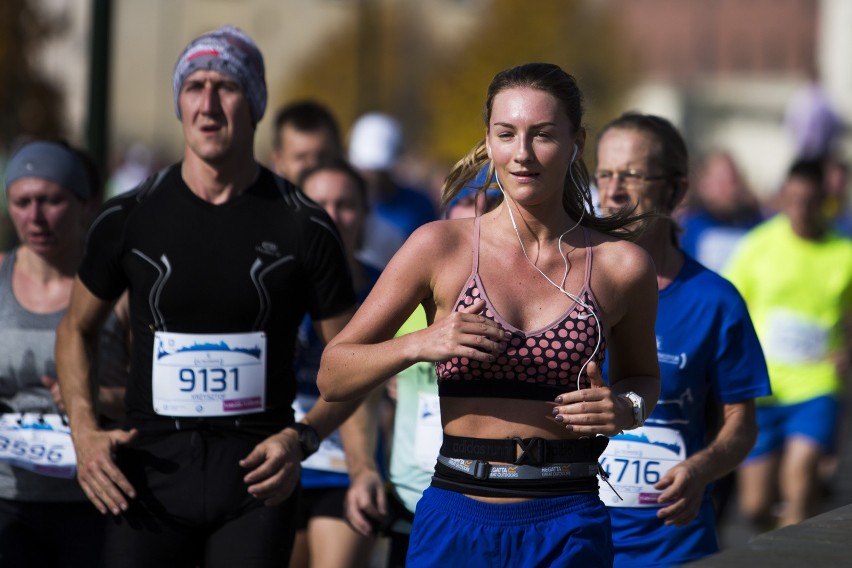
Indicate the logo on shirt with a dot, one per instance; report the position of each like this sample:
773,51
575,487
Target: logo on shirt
268,248
676,359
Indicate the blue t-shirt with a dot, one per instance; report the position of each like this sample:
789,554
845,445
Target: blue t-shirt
307,364
407,210
712,241
709,353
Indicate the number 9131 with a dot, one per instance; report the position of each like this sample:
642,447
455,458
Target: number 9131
209,380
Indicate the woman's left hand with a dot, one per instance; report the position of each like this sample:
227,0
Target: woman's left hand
592,411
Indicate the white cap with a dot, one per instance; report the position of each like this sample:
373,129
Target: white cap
375,142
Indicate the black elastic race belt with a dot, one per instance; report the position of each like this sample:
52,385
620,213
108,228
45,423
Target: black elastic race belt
533,451
531,467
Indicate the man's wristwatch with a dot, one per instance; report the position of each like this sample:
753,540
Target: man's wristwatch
638,404
309,439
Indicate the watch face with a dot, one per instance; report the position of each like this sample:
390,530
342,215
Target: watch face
310,439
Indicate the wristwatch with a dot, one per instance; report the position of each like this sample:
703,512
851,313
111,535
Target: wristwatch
638,404
309,440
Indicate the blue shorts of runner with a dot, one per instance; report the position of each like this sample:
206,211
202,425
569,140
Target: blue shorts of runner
59,535
193,507
451,529
814,419
643,540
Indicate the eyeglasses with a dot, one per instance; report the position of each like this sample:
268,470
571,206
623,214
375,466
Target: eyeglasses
630,178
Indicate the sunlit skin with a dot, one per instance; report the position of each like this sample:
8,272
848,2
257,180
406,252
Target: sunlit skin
303,149
216,118
338,194
531,140
47,218
623,150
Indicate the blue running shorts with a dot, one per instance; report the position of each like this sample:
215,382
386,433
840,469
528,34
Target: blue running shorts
451,529
815,419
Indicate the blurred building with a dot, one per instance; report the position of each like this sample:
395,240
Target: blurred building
722,70
147,37
725,71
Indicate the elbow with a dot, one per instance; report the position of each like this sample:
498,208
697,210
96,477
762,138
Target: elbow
330,389
329,393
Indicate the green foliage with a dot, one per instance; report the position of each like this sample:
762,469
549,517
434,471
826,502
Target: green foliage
387,59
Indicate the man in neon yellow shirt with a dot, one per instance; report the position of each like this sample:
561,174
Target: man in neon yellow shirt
796,277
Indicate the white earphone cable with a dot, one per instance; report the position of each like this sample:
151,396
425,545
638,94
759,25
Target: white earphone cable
562,289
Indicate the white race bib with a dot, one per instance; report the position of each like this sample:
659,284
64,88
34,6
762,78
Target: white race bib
40,443
209,374
330,455
792,339
635,461
428,434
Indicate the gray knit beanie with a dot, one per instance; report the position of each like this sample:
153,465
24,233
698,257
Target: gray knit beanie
230,51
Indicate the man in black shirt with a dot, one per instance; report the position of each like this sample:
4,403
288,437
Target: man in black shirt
222,259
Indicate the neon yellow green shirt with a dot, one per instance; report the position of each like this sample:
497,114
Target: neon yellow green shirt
797,292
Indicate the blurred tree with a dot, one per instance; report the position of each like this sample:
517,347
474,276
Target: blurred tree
388,59
29,104
577,36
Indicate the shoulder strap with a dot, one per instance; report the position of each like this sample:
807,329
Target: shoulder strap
476,245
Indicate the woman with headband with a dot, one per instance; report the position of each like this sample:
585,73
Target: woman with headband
45,519
522,303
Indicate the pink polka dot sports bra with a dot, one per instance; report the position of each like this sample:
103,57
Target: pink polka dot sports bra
533,365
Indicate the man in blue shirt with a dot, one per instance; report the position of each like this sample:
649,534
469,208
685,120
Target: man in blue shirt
661,474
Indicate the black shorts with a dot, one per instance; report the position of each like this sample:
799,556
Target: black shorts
192,506
321,502
62,535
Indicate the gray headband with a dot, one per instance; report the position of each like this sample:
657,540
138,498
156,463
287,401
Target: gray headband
52,162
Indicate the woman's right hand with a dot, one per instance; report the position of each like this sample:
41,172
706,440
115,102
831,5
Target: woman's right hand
466,333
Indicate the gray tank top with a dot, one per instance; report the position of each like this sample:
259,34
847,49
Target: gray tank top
27,343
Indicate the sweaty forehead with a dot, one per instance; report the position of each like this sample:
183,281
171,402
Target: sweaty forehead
525,105
621,148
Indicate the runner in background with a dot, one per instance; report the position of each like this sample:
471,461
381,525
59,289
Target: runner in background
795,273
45,519
347,454
305,134
661,475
